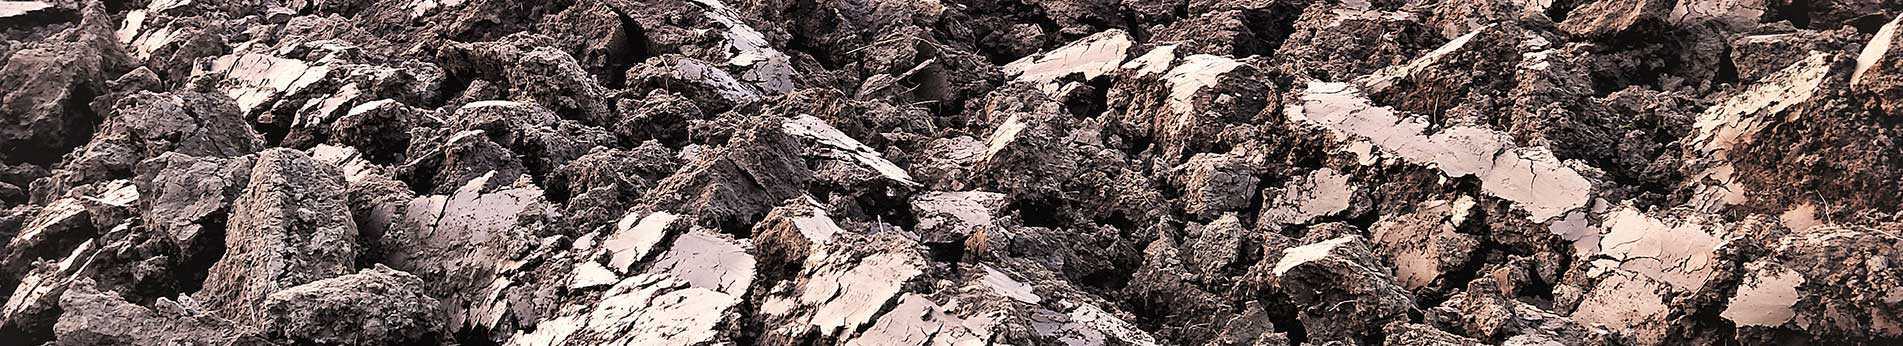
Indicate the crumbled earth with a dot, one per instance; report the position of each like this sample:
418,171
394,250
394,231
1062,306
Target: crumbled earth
951,172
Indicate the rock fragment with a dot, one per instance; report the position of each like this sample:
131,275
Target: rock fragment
1484,312
832,143
682,298
43,107
15,14
554,79
636,237
36,298
747,49
1845,287
1426,244
790,235
1420,334
1537,182
917,321
1766,296
462,242
709,261
1731,13
1089,57
1676,252
467,156
542,140
702,81
950,217
732,187
842,292
1091,172
373,306
1629,303
47,232
290,227
1215,183
380,128
1761,55
94,318
1877,68
147,125
1738,120
1322,33
257,81
1345,290
1607,18
1321,193
1643,262
656,308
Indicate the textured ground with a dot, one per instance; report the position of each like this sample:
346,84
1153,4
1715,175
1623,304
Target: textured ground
951,172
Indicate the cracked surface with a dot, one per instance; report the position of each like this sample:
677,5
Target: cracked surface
950,172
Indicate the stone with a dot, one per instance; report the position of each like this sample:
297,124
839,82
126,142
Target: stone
1090,57
829,142
710,261
747,50
699,80
1741,14
193,124
289,227
373,306
591,275
1761,55
681,299
36,299
1610,18
470,155
1630,304
1486,314
1218,247
1420,334
1216,183
918,321
1343,288
1202,96
1321,193
1766,296
93,317
258,81
1845,283
1426,245
1736,121
1677,252
950,217
43,109
734,186
1460,17
14,14
46,232
379,128
636,238
1539,183
644,308
1877,69
897,172
553,79
462,243
147,125
842,292
1379,37
542,140
190,199
790,235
